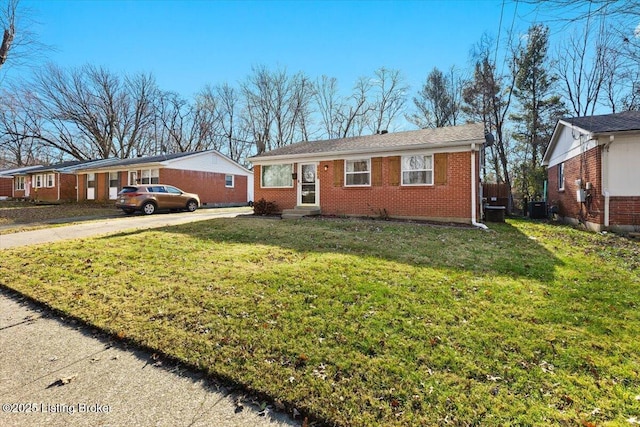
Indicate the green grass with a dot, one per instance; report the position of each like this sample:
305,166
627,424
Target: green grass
368,322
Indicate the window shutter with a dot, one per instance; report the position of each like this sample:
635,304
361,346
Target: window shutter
440,160
394,170
376,171
338,173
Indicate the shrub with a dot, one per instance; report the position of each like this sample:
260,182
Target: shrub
262,207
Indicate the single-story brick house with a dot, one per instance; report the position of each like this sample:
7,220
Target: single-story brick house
6,180
52,183
429,174
593,171
218,180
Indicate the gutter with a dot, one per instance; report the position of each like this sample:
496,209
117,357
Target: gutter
473,190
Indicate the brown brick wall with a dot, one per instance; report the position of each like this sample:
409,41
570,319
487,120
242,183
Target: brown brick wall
6,186
588,168
624,211
66,183
210,186
67,187
450,201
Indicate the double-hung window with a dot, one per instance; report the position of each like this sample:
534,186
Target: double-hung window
38,182
357,172
417,170
276,176
228,181
19,182
51,179
150,176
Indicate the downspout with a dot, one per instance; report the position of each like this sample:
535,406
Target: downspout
473,190
77,189
58,185
605,179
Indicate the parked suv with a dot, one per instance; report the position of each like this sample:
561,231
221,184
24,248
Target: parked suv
152,197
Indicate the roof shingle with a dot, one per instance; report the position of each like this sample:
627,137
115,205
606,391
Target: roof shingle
618,122
396,140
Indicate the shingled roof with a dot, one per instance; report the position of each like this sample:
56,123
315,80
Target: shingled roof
452,135
606,123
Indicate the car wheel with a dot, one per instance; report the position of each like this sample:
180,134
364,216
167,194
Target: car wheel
148,208
192,205
128,211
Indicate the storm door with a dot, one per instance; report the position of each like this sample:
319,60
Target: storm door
308,184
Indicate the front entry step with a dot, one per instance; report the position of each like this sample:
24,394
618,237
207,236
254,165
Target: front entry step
300,212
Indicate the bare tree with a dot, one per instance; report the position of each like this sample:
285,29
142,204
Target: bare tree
355,113
277,106
18,150
89,112
233,135
389,91
584,79
183,127
8,26
19,45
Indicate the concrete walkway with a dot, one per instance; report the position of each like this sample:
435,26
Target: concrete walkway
54,372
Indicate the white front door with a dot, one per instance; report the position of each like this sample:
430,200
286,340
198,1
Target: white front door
91,186
308,186
113,185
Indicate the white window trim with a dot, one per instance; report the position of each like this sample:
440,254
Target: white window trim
233,181
20,183
53,180
368,160
117,177
150,174
402,171
37,181
275,164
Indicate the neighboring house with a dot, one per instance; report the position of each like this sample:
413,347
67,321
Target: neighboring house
430,174
53,183
594,174
218,180
6,180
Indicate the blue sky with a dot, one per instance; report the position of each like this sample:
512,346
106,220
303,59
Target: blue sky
189,44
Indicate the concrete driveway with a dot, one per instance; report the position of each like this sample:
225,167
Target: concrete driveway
58,372
113,225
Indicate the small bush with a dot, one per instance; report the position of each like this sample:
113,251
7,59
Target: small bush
262,207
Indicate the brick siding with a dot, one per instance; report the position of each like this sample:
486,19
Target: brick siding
210,186
450,201
622,210
6,186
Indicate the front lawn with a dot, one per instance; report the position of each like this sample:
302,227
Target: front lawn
368,322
